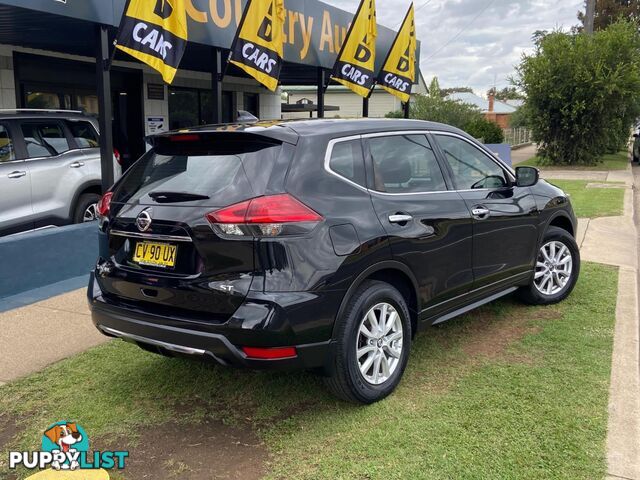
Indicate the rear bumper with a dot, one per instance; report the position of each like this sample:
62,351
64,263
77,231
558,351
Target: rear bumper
221,343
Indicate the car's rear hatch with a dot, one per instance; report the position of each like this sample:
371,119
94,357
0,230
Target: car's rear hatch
167,257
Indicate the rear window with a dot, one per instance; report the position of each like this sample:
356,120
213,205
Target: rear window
225,173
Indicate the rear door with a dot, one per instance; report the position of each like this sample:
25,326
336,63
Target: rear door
56,170
505,216
16,213
428,224
165,250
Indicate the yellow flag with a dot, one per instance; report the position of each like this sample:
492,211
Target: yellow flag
258,46
155,32
354,66
399,69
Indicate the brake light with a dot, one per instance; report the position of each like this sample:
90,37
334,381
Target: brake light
184,137
274,353
117,156
104,204
265,216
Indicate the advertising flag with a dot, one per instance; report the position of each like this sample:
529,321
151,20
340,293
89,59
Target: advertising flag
399,69
354,66
258,46
155,32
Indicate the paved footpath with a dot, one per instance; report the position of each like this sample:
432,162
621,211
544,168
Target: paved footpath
614,241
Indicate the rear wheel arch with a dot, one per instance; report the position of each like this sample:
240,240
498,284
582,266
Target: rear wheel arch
394,273
90,187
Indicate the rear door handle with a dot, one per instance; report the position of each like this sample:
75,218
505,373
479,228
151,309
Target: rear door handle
17,174
76,165
400,218
480,213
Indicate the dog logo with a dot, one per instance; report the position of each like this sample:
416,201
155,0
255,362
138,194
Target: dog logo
143,221
65,448
67,438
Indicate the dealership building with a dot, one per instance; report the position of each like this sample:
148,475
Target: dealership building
53,55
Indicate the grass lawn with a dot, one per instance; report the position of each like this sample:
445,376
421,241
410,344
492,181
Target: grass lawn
593,202
610,161
507,391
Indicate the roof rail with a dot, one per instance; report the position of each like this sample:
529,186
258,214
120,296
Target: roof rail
48,110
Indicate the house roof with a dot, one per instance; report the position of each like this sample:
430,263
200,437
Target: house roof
482,103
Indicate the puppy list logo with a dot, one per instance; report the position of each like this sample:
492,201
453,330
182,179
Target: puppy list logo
65,446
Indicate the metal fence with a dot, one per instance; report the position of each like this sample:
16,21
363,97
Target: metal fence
517,136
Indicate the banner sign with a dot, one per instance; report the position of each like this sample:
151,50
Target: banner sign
258,47
155,32
313,31
399,69
355,65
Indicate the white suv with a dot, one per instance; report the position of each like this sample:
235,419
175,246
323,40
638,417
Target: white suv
49,169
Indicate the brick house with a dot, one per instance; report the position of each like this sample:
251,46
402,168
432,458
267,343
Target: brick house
493,110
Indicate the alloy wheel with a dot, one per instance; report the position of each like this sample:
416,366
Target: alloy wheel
379,343
90,213
553,268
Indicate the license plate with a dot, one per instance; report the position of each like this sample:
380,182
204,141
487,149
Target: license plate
155,254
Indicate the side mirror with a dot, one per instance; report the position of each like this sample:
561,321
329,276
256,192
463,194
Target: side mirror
527,176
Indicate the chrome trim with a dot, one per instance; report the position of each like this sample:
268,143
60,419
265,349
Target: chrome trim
332,142
130,337
327,159
151,236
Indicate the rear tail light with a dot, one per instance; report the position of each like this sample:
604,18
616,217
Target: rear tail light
104,204
117,156
274,353
268,216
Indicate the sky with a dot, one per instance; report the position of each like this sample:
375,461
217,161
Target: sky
474,43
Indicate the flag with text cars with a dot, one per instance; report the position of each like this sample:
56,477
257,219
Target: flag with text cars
258,47
155,32
399,69
355,64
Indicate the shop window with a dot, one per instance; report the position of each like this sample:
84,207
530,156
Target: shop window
44,139
7,153
193,107
251,104
43,100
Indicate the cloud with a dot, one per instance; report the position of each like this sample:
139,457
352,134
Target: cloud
474,42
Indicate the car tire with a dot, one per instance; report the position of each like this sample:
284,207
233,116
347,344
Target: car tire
551,283
346,380
86,203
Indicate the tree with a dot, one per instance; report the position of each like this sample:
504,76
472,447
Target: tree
610,11
434,88
582,92
438,109
509,93
486,130
444,92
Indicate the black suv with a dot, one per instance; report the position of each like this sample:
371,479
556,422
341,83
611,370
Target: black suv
321,245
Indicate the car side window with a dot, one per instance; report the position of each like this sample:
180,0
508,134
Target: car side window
471,168
84,134
405,164
44,139
7,152
347,160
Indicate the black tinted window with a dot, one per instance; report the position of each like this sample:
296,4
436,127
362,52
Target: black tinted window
226,173
84,134
44,139
471,168
346,160
6,145
405,164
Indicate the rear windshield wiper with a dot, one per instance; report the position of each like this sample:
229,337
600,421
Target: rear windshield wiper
171,197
